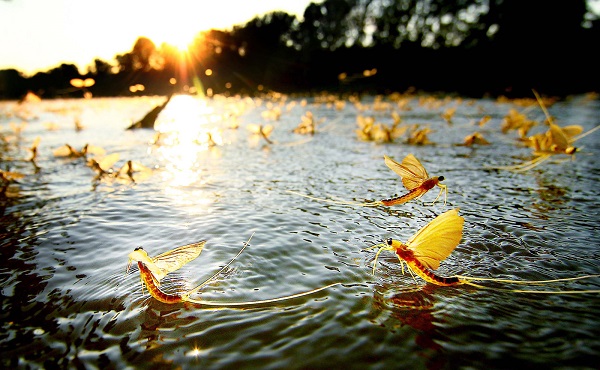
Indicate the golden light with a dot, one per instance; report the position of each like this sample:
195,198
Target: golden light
188,124
370,72
208,72
172,80
136,88
78,82
174,31
194,352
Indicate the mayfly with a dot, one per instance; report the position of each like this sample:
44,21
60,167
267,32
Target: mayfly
307,125
556,141
70,152
34,150
433,243
419,136
262,131
475,138
134,171
103,165
154,269
369,130
425,250
7,178
415,179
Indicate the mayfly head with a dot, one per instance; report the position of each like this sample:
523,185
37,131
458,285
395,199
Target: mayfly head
386,246
571,150
138,254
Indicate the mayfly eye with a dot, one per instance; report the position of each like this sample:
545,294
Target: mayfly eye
441,178
389,241
138,248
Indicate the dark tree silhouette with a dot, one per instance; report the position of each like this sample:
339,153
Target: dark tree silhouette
12,84
325,25
262,45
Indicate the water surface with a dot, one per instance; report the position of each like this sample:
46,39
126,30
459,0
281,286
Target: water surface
67,302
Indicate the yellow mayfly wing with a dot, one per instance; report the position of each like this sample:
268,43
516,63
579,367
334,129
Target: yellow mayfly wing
267,129
253,127
63,151
410,170
135,171
381,133
130,167
96,150
107,162
436,240
572,130
174,259
559,138
138,167
36,143
398,131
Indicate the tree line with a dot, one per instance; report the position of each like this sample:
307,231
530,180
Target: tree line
469,47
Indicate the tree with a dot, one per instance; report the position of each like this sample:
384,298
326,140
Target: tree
325,25
101,68
143,57
264,33
427,23
12,84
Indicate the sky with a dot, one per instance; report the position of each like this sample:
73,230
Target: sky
38,35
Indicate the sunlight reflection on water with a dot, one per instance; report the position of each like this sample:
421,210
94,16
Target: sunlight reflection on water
187,132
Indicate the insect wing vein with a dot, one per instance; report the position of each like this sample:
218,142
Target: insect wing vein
174,259
411,171
436,240
559,137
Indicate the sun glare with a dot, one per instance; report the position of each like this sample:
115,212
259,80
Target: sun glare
175,32
188,132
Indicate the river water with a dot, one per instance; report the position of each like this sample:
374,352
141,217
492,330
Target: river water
67,301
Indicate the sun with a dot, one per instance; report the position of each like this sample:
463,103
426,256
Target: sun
175,32
179,39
